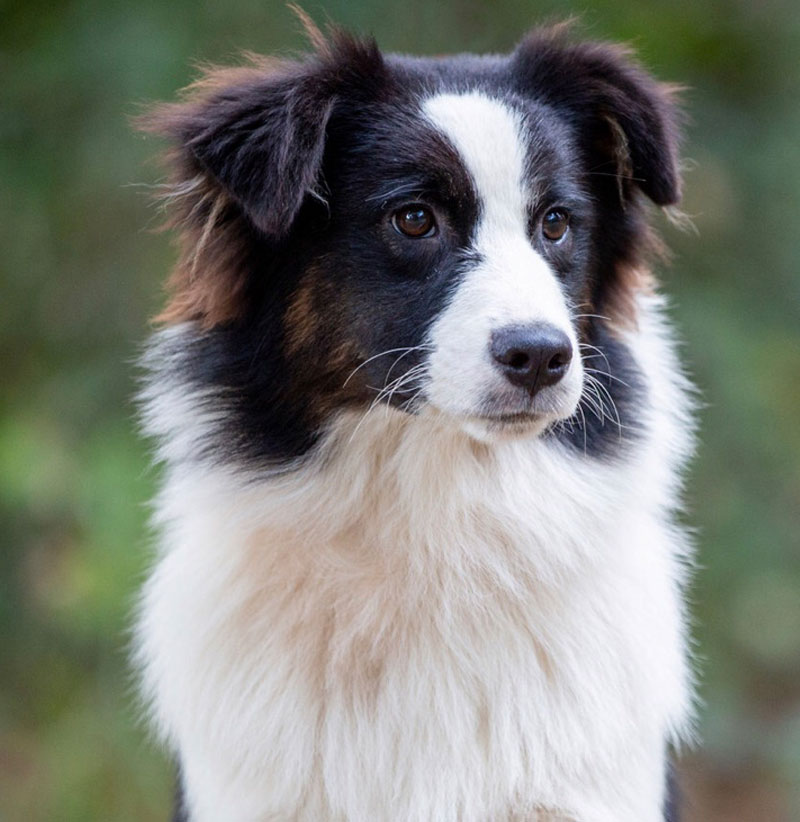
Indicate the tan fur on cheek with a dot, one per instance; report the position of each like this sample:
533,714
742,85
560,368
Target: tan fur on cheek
301,319
320,347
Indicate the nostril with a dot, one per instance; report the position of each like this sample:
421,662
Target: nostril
519,360
531,356
559,361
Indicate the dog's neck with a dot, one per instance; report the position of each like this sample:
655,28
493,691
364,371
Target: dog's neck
393,490
408,570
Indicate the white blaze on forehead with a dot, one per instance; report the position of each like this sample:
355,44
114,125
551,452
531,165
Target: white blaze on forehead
511,284
488,136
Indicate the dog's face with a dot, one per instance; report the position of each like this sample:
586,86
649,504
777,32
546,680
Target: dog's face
450,235
455,257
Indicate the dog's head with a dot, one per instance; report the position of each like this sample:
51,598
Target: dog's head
461,234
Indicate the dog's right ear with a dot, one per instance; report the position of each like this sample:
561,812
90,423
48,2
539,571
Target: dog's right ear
259,131
247,148
263,143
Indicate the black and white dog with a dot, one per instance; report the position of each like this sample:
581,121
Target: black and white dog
423,428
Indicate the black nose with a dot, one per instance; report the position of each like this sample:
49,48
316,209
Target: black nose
531,356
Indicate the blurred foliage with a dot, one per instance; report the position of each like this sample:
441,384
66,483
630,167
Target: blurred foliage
80,275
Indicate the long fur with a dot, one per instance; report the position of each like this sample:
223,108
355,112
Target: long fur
383,607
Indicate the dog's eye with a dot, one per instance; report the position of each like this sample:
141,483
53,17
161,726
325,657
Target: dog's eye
555,224
415,221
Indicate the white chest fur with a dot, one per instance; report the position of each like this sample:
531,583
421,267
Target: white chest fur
420,627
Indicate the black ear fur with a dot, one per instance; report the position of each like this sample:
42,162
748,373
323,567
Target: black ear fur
264,144
629,122
259,132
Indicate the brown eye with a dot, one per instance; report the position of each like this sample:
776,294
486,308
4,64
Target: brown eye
555,224
414,221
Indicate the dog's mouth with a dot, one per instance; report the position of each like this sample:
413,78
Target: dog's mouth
518,419
497,418
499,413
500,418
501,426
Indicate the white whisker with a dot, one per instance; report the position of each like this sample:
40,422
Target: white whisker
606,374
405,350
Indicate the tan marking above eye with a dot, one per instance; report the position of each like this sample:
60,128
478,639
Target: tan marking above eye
414,220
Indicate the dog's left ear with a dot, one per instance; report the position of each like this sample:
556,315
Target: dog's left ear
628,122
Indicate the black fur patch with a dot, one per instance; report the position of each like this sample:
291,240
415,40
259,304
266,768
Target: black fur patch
608,416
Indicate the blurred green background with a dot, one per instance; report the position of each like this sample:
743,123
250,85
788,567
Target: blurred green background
81,274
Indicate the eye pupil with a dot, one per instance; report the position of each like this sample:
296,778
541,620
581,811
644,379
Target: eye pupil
555,224
414,221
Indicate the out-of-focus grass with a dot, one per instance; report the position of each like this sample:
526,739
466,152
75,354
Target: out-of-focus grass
80,274
71,745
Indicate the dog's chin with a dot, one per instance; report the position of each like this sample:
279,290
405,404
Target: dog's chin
499,413
501,427
497,424
503,424
492,428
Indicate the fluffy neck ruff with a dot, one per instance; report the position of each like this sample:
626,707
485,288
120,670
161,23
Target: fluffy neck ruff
411,624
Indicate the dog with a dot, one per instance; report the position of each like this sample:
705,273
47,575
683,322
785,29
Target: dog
423,427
